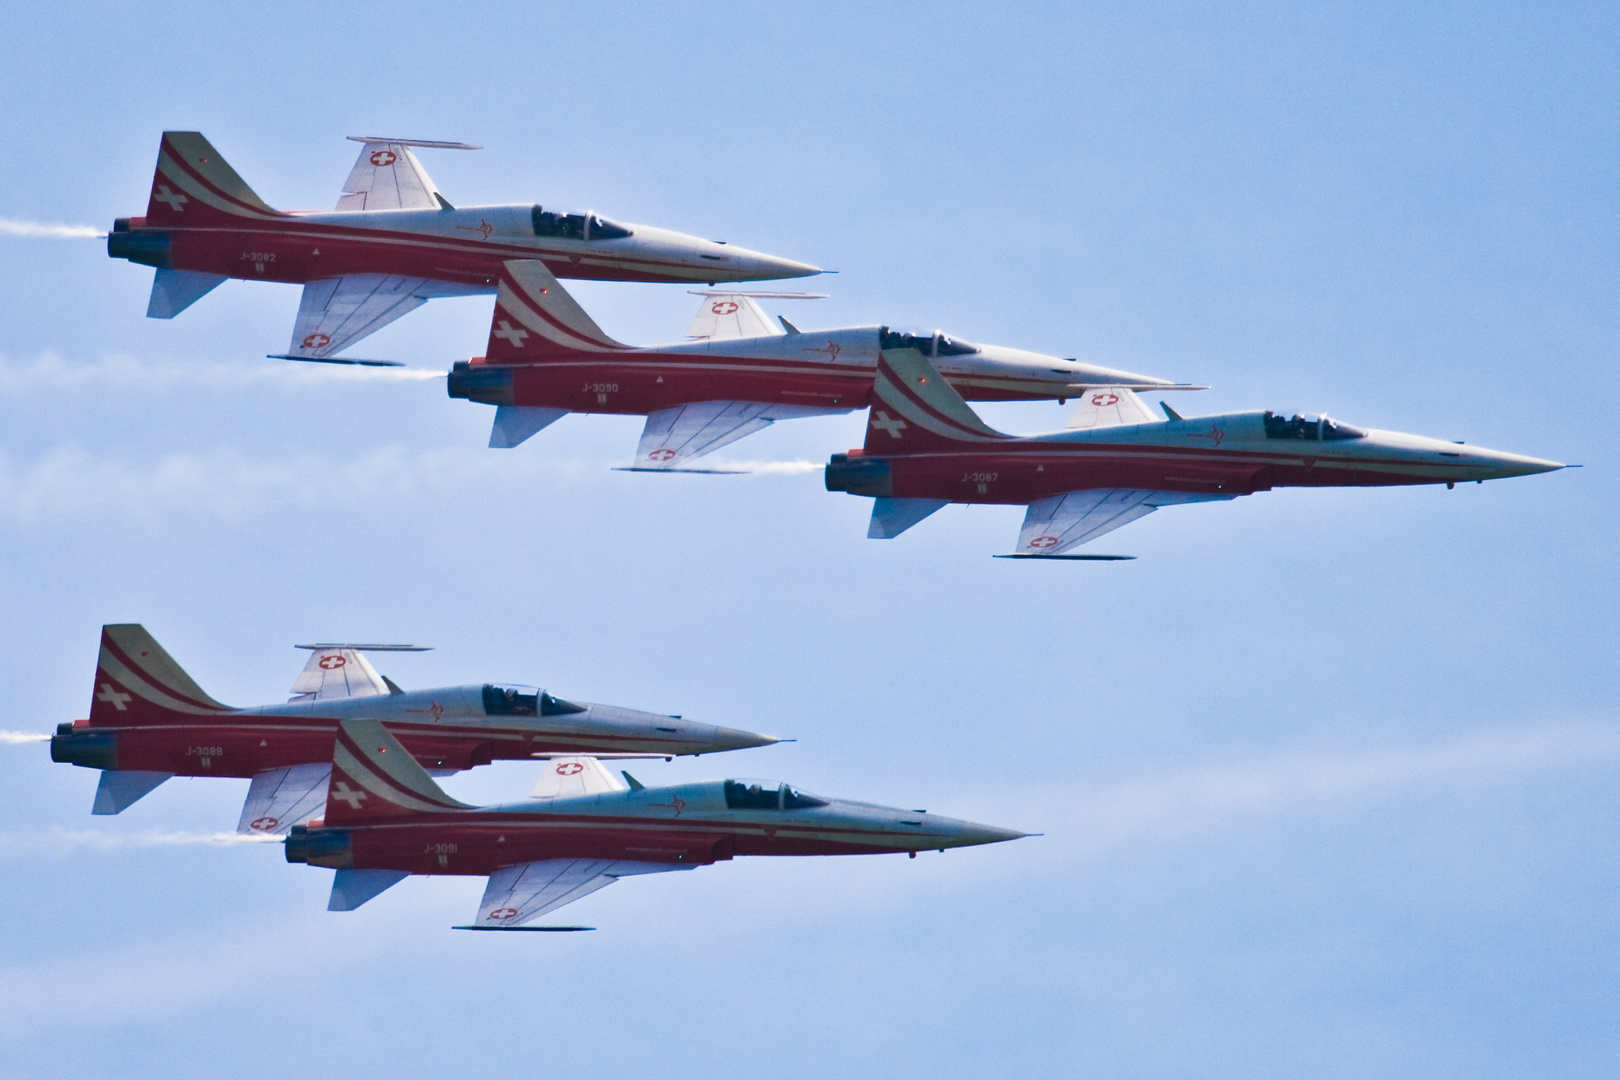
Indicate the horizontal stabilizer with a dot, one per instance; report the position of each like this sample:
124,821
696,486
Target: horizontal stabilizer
175,290
351,888
119,790
891,517
515,423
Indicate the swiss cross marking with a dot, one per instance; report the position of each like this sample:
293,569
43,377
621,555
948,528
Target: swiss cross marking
175,200
883,422
1105,399
504,913
264,824
723,307
570,768
663,453
331,663
511,333
316,341
1044,542
111,694
348,794
384,158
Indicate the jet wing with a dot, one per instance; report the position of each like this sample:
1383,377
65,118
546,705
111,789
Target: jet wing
337,671
387,176
1053,526
278,799
566,777
334,313
725,315
1110,406
519,893
675,436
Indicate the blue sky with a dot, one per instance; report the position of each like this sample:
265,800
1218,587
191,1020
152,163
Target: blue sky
1327,778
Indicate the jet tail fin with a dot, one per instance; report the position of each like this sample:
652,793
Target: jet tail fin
373,777
536,320
193,185
915,409
137,680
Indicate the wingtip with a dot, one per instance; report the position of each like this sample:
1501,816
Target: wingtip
530,929
1067,558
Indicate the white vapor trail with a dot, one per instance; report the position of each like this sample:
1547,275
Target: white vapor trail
56,840
13,737
55,232
765,468
50,372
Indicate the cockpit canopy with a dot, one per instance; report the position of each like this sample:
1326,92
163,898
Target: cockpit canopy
1309,426
585,226
506,699
931,345
767,795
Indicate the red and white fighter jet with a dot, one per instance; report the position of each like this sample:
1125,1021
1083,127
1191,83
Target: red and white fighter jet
393,243
582,829
925,448
150,721
546,358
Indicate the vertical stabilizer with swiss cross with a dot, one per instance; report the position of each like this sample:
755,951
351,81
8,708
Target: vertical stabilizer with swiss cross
374,777
137,681
536,320
193,186
914,409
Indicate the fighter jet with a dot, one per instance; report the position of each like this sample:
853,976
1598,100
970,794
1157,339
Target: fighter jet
393,243
925,447
546,358
581,830
149,721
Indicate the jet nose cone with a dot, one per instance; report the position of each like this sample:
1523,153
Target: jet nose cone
736,739
973,833
769,266
1504,465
